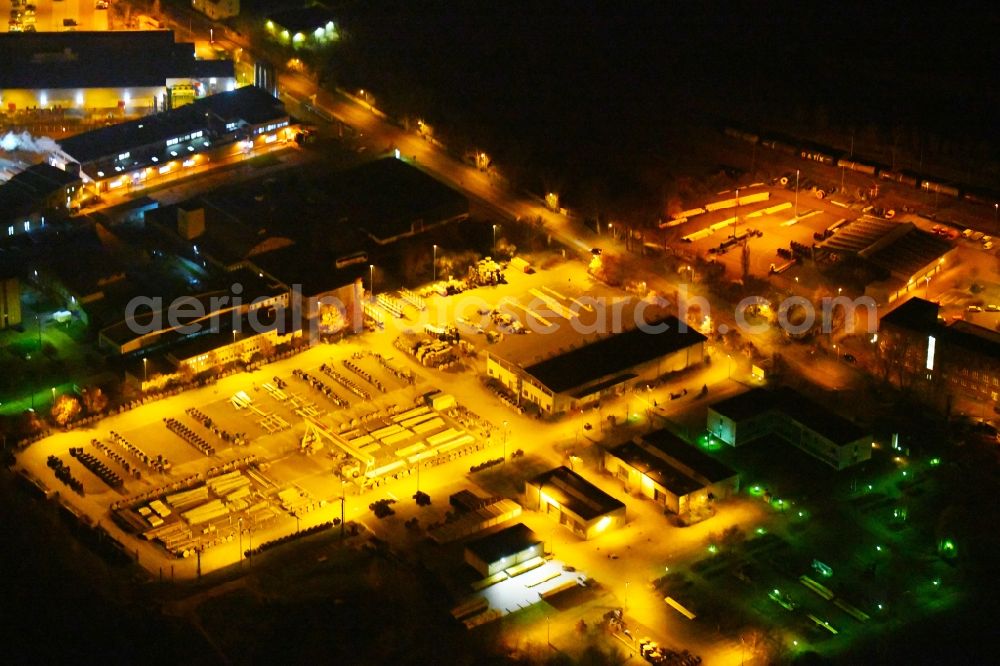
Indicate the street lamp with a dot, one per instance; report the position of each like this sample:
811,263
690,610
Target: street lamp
796,194
729,367
145,373
371,280
505,426
434,263
240,523
494,239
53,394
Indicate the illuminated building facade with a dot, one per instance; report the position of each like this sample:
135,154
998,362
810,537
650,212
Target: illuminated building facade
71,73
671,472
39,190
575,503
129,154
511,546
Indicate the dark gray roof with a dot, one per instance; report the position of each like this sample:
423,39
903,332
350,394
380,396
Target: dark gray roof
594,362
915,314
388,198
699,462
971,338
249,103
27,189
794,405
92,59
575,493
506,542
745,405
656,468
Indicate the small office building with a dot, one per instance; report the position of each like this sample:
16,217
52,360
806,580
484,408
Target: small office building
501,550
794,418
577,504
671,472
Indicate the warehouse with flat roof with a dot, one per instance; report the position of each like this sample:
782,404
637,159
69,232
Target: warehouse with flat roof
70,71
582,376
503,549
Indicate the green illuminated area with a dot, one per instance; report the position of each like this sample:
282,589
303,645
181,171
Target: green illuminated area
842,562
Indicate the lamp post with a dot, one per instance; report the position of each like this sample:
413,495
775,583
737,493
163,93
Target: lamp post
53,395
494,239
342,498
505,426
796,193
434,263
240,525
729,367
145,373
371,280
626,594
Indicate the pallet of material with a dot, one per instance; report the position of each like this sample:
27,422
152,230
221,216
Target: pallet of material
423,455
416,420
474,605
409,414
461,441
160,508
411,450
481,585
442,437
209,511
481,618
238,494
358,442
188,497
382,433
385,469
527,566
561,587
260,478
397,438
538,580
435,423
370,448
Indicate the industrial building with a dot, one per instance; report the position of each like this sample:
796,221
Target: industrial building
32,194
582,376
511,546
793,418
134,154
671,472
578,505
906,255
72,72
326,234
920,350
